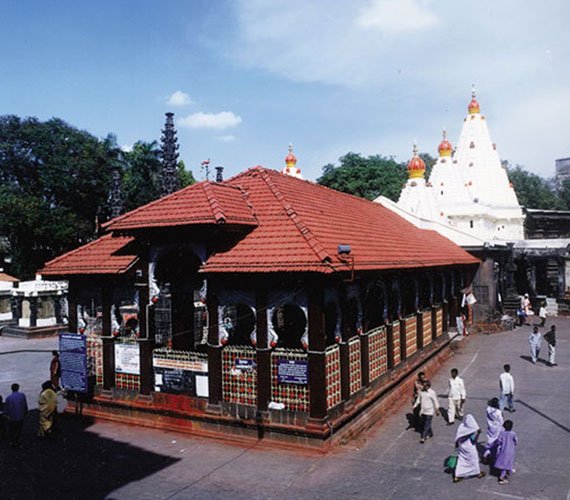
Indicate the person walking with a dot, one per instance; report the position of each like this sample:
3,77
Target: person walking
48,409
428,403
415,420
456,397
550,338
16,409
535,341
494,424
2,423
542,314
466,444
504,448
507,385
55,370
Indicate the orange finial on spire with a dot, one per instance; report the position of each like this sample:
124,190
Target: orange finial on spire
290,164
416,166
473,105
445,148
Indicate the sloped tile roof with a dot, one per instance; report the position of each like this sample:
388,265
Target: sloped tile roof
101,256
296,227
8,278
301,225
201,203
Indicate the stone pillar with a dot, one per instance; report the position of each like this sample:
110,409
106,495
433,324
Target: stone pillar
16,308
214,355
33,311
57,308
317,359
107,339
365,360
263,351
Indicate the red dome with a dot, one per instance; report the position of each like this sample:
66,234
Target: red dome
473,106
416,166
445,148
290,158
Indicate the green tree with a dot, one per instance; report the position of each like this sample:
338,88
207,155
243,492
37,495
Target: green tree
532,190
186,177
564,194
54,182
367,177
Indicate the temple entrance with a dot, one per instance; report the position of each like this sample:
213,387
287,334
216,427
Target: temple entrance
180,310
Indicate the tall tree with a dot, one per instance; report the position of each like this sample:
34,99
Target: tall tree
532,190
367,177
55,180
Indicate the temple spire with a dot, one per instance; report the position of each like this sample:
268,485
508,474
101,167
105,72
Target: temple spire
169,151
116,198
291,164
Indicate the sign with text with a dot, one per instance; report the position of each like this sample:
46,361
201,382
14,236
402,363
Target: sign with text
127,359
73,360
292,371
181,376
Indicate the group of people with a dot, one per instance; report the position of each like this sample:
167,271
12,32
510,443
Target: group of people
535,343
14,409
501,440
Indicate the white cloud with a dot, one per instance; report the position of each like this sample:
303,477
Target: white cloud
227,138
218,121
179,98
395,16
127,148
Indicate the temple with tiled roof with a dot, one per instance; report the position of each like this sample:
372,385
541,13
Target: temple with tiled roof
263,303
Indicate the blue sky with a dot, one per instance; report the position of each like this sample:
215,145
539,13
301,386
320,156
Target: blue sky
245,78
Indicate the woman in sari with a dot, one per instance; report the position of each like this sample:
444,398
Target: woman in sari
466,444
48,409
494,424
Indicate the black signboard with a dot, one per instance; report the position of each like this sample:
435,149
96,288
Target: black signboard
292,371
176,381
73,359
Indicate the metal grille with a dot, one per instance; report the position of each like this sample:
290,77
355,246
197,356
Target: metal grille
239,376
127,381
187,356
354,365
410,327
295,397
377,353
332,374
426,327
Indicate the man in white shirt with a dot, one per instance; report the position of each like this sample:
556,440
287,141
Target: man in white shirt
428,403
507,384
456,396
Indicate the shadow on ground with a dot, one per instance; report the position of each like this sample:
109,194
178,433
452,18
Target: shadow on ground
73,464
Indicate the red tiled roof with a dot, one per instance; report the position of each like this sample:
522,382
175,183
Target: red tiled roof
201,203
301,225
98,257
8,278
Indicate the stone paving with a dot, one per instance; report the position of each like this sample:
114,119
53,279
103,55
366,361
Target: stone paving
107,460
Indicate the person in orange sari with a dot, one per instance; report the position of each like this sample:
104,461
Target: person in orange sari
48,409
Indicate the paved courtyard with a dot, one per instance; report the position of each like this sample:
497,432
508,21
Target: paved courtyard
88,460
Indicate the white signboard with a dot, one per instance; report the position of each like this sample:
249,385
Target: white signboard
127,359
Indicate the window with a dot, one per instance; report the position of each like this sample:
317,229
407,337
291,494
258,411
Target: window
239,323
289,322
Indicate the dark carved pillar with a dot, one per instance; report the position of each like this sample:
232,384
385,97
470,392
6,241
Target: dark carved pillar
146,340
434,323
108,340
453,309
390,345
57,309
445,317
403,352
72,308
344,353
419,330
317,359
33,310
214,354
365,360
263,352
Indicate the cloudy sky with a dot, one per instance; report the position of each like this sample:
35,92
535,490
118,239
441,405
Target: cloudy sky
245,78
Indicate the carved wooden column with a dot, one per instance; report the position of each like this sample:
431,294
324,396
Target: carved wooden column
146,330
317,357
108,340
33,301
390,345
214,355
263,351
344,352
420,330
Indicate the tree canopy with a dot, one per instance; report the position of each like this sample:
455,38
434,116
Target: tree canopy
55,182
534,191
367,177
